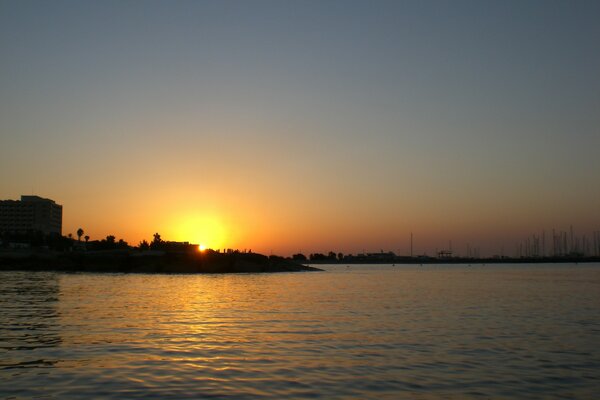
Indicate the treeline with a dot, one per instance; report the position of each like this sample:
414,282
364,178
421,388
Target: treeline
56,242
158,243
53,241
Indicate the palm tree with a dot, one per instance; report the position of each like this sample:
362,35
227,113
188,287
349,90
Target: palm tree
79,234
87,238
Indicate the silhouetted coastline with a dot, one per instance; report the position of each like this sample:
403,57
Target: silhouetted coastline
459,260
34,251
151,261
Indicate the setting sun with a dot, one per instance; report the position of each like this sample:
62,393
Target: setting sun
207,230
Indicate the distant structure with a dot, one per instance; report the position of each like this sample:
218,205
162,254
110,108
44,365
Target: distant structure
444,254
31,213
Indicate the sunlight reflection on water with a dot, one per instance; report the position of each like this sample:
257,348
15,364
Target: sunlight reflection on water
361,332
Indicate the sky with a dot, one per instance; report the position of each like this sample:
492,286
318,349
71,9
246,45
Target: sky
305,126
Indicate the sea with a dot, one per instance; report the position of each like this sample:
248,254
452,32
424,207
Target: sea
520,331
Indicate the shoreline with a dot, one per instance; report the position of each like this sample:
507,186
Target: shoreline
460,260
125,261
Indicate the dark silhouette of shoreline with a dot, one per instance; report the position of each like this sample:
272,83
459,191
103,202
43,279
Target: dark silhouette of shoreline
459,260
34,251
151,261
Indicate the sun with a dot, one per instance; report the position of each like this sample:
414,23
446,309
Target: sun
208,231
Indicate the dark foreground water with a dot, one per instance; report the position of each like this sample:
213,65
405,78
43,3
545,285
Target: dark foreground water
428,332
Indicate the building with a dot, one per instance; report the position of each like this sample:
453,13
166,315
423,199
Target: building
31,213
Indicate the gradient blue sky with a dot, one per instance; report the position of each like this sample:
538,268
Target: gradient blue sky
308,125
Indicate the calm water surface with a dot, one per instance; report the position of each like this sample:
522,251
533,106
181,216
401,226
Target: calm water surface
523,331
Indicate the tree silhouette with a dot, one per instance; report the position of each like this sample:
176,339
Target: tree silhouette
299,257
318,257
79,234
156,242
87,238
110,239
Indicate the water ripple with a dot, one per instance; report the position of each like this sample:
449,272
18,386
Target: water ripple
384,332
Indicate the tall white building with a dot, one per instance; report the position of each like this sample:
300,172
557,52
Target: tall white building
31,213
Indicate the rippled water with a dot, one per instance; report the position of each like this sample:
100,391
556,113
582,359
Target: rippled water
359,332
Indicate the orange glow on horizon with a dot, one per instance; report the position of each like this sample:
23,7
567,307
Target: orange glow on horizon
206,229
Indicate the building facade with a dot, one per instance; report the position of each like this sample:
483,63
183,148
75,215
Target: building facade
31,213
